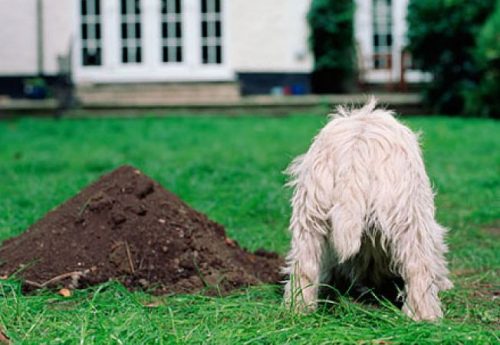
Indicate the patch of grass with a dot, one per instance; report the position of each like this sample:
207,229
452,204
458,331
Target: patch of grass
231,169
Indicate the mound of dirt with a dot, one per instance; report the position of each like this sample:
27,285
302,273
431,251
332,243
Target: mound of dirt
127,227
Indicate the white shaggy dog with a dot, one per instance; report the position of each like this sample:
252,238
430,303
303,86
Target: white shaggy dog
363,210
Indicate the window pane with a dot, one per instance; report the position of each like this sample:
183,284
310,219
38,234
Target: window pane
91,57
84,56
90,34
125,54
123,7
211,31
204,54
164,30
179,54
131,31
99,56
171,31
83,10
218,54
218,28
98,7
178,30
124,30
165,54
204,29
138,54
98,31
137,30
84,31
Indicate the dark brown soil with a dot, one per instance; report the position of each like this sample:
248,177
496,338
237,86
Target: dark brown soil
127,227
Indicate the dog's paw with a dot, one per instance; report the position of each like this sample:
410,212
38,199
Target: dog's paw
298,306
445,284
300,301
423,314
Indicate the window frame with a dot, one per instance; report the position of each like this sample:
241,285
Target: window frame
152,68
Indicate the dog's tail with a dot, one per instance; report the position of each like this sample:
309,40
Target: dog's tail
349,213
347,222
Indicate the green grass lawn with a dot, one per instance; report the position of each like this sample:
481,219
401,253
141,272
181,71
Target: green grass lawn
231,169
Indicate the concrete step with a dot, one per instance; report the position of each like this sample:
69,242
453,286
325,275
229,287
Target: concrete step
402,103
178,93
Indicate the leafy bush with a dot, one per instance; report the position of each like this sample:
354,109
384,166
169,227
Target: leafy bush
442,39
484,99
332,43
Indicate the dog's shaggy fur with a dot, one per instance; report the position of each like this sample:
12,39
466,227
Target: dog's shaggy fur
363,209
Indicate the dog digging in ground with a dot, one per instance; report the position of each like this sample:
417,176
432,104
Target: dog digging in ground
363,211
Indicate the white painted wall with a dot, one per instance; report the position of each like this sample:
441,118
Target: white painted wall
57,32
18,35
18,41
269,35
261,36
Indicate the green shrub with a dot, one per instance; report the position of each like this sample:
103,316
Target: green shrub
484,98
332,43
442,39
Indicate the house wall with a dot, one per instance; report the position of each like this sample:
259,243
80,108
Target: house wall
57,33
269,36
18,39
18,36
263,35
266,44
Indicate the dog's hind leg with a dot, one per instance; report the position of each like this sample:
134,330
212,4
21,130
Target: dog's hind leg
308,262
403,204
307,269
419,256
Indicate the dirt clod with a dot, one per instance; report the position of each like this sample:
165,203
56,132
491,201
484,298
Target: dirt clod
127,227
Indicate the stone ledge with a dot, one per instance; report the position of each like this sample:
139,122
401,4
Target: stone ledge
407,104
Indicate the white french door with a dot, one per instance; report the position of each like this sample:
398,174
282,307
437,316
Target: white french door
150,41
